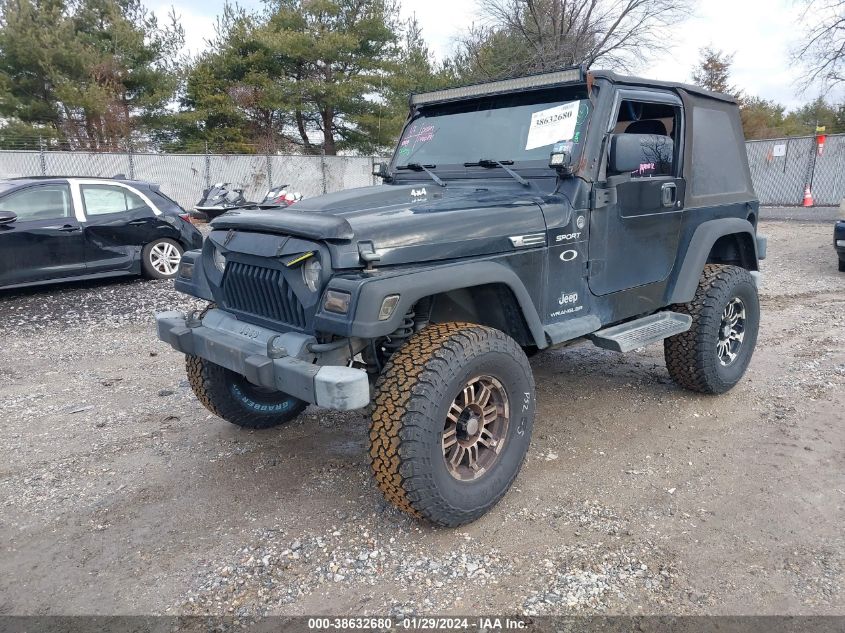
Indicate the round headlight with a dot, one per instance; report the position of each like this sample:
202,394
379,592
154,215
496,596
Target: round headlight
219,260
311,270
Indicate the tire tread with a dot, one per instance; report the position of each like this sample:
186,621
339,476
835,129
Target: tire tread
208,382
413,378
688,354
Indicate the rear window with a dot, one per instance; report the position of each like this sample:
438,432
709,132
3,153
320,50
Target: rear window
166,201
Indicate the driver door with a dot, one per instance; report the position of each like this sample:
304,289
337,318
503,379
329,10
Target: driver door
45,241
634,238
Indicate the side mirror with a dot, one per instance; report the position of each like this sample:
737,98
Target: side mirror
7,217
643,153
380,170
561,158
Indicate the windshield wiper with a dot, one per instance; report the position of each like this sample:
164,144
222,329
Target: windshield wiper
487,162
425,168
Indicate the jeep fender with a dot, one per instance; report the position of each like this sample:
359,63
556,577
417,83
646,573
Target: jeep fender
415,285
700,246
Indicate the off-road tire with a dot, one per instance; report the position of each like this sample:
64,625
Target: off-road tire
691,357
232,397
147,266
411,399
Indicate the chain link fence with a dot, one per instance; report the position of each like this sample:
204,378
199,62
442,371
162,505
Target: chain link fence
183,177
781,169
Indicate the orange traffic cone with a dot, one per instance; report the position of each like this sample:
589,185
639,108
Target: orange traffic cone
808,197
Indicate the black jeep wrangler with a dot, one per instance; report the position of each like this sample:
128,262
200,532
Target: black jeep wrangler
515,216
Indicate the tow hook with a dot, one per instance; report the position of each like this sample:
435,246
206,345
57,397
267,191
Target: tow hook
273,351
192,320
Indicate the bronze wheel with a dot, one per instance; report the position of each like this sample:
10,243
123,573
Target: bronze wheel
451,421
476,428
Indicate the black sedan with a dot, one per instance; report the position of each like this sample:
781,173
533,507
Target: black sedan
839,243
65,229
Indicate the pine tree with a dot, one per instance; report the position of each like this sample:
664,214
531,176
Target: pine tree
89,73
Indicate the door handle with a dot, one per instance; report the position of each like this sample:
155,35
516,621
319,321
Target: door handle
136,222
667,194
69,228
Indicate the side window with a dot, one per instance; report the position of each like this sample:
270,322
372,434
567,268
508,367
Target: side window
42,202
718,155
134,201
107,199
662,122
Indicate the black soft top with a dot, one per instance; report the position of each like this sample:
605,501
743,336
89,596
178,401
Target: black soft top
576,75
657,83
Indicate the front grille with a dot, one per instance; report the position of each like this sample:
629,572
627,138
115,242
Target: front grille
263,292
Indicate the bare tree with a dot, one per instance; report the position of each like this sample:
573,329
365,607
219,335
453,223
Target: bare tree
822,51
519,36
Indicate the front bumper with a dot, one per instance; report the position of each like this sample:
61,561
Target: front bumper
266,358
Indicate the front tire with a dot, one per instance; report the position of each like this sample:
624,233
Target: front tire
451,422
712,356
232,397
160,259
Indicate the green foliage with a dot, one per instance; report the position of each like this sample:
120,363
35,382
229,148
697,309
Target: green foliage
767,119
761,118
305,75
804,120
88,72
489,53
310,76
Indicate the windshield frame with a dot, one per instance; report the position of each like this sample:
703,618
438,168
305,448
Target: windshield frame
538,167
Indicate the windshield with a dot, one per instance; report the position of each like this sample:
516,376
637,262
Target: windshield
519,127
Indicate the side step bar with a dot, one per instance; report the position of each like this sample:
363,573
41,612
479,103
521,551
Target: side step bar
641,332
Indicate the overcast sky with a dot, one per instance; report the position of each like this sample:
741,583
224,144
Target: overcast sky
758,32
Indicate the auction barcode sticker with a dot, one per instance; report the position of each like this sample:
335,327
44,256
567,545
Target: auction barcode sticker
552,125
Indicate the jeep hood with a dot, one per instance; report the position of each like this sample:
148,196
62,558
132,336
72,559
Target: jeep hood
407,223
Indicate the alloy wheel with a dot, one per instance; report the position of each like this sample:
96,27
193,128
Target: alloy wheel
731,331
476,428
165,258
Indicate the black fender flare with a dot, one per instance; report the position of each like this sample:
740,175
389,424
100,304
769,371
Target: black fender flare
413,285
685,282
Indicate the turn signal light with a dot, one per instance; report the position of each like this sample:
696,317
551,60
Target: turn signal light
337,302
387,307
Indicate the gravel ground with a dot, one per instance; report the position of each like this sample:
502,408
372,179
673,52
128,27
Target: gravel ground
121,494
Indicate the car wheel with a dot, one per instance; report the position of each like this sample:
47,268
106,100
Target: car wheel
712,356
842,265
232,397
451,422
160,259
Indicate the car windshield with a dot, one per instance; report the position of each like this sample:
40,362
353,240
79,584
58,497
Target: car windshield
519,127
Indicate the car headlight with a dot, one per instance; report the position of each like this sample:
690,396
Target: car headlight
311,270
219,259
